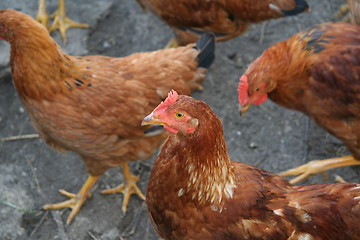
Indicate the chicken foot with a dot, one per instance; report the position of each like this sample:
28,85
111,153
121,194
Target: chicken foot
42,15
318,166
127,188
61,22
343,13
76,200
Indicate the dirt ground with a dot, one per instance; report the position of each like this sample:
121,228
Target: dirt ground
271,137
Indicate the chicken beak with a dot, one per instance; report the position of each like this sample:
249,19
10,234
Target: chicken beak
151,120
244,109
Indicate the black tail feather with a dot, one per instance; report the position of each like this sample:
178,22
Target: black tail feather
301,6
206,46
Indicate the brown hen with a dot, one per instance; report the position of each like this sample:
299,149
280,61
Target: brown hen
93,105
316,72
196,192
226,18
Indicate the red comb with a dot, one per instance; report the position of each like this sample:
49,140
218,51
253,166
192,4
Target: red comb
243,90
171,98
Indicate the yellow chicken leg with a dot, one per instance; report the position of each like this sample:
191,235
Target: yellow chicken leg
127,188
318,166
343,13
76,200
42,15
61,22
173,43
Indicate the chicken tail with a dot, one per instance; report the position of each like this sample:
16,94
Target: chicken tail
301,6
206,47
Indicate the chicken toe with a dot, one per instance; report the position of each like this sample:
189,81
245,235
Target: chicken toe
343,13
62,23
42,15
76,200
318,166
127,188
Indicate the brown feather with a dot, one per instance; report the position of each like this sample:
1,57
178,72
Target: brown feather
317,72
260,205
93,105
227,19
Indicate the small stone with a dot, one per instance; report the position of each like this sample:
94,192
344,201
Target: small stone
239,62
232,56
106,44
287,128
253,145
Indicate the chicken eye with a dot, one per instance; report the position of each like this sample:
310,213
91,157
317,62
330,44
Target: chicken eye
179,115
258,89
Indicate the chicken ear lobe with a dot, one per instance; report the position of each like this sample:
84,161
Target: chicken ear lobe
193,123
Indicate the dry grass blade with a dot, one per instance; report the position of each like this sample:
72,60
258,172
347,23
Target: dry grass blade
60,226
39,224
93,236
29,161
17,207
20,137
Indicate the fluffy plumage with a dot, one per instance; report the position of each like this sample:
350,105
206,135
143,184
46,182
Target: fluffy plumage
315,72
93,105
227,19
196,192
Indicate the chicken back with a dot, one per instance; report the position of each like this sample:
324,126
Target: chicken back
316,72
226,18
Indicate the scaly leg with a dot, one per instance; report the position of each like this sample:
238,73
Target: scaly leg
182,38
62,23
76,200
343,13
42,15
318,166
173,43
127,188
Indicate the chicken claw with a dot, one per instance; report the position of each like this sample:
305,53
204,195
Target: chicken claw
76,200
62,23
318,166
127,188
